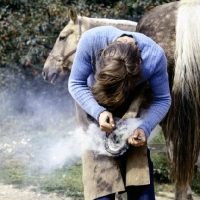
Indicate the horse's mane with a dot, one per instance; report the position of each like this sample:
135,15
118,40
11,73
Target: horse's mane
122,24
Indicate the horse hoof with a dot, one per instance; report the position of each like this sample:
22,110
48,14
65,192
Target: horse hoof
189,197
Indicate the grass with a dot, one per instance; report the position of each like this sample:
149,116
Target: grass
162,168
13,173
65,181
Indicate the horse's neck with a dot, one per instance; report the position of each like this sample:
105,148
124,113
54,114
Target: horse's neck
89,23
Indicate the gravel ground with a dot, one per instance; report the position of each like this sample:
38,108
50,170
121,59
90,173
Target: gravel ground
8,192
168,196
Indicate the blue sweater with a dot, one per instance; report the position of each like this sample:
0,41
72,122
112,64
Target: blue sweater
154,69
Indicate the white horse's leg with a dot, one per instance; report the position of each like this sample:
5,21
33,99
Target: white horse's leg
189,193
182,193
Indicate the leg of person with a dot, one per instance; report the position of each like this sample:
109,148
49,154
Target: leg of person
108,197
145,192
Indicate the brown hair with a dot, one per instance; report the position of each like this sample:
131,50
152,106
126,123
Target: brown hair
118,70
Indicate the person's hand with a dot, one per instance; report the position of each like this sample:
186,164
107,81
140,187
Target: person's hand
138,138
106,121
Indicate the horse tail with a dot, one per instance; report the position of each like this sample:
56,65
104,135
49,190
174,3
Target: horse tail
183,125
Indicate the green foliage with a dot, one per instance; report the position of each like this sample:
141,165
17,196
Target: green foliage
67,181
196,181
162,167
159,139
28,29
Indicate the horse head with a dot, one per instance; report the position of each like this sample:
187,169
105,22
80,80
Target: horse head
60,59
59,62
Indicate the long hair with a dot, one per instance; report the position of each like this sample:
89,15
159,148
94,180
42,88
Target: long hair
183,125
118,70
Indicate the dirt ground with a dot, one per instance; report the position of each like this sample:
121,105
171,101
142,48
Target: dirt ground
168,196
8,192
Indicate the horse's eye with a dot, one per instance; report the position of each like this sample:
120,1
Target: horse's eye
62,38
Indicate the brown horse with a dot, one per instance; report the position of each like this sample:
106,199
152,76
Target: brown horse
175,28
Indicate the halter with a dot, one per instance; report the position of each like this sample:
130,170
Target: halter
63,58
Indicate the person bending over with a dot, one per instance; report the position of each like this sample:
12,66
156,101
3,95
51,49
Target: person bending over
109,66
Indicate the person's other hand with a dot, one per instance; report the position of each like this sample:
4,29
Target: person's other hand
138,138
106,121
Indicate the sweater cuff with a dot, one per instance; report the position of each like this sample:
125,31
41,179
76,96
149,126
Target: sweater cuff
146,130
98,112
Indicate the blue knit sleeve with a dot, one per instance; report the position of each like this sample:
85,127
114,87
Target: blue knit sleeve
161,93
81,70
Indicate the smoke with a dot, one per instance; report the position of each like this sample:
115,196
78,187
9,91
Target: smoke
69,149
38,128
44,127
34,117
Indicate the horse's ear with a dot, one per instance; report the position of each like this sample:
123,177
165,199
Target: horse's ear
72,14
